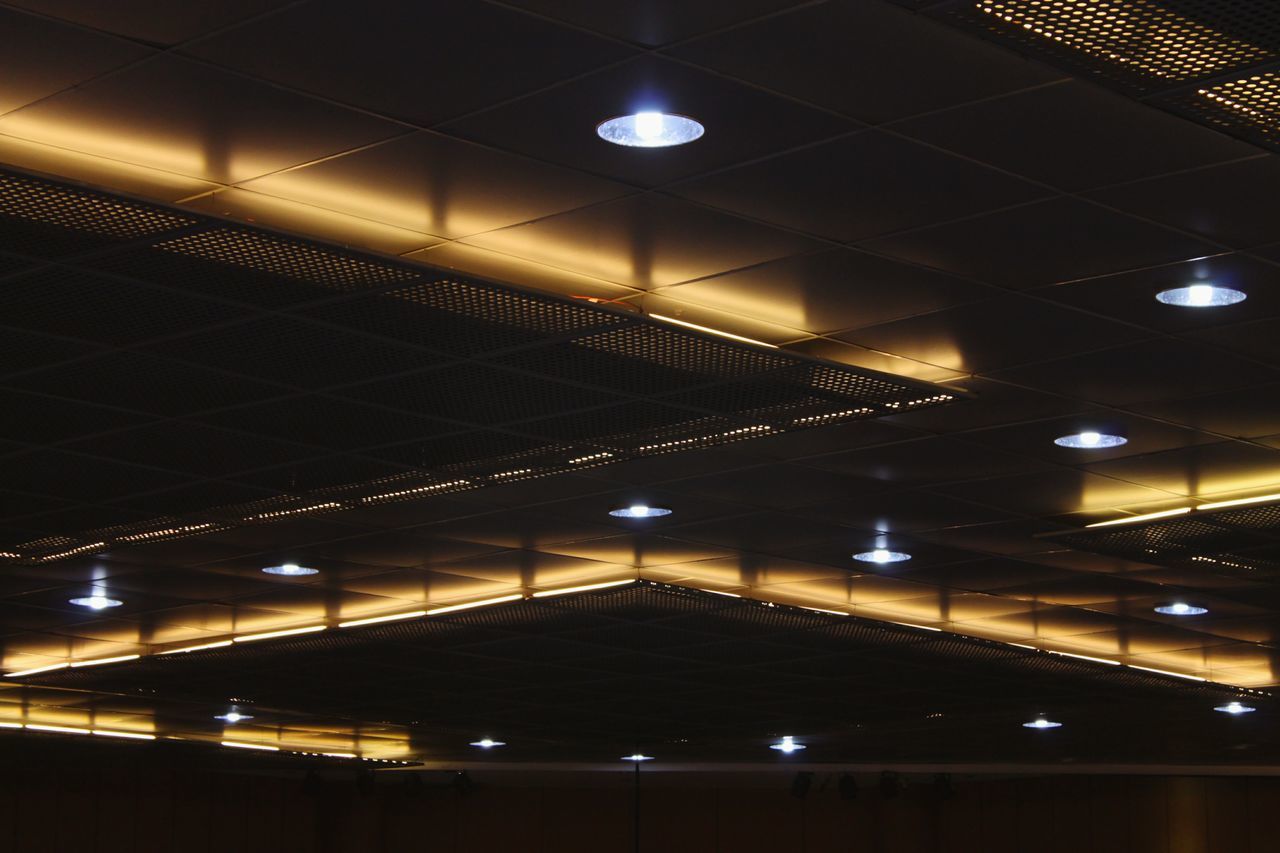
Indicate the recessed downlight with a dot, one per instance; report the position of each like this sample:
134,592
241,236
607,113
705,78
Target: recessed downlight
1181,608
882,555
1041,723
487,743
291,570
96,602
1201,296
637,756
1090,440
650,129
233,717
639,511
787,744
1235,708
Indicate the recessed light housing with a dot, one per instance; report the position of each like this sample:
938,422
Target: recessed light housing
1201,296
233,717
487,743
639,511
1041,723
1179,608
650,130
882,555
637,756
1235,708
1090,440
96,602
787,744
291,570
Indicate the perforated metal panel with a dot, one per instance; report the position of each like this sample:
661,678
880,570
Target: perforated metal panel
322,379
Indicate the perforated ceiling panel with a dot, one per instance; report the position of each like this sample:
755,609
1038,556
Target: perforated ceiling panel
203,375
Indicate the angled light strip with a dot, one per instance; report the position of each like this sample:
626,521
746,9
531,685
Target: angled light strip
914,625
271,635
729,335
1134,519
340,754
1239,502
720,592
1167,672
10,725
50,668
548,593
126,735
1107,661
469,605
823,610
99,661
64,730
236,744
221,644
374,620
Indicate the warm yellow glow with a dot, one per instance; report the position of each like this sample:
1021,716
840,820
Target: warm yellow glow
373,620
914,625
824,610
127,735
340,754
65,730
100,661
547,593
711,331
1107,661
1134,519
49,668
235,744
218,645
10,725
1239,502
271,635
1168,672
721,592
469,605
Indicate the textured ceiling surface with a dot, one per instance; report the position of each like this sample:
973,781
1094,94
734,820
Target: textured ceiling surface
899,194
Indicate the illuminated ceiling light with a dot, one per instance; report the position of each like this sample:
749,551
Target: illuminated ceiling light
473,604
1179,608
1188,676
1089,658
1235,708
650,130
271,635
1090,440
221,644
637,756
1041,723
1239,502
1201,296
547,593
1134,519
639,511
233,717
64,730
881,555
488,743
787,744
96,602
235,744
100,661
291,570
126,735
48,668
730,335
374,620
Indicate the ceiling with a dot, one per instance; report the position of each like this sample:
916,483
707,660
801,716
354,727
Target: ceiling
902,195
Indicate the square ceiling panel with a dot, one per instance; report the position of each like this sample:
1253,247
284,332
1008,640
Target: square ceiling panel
154,21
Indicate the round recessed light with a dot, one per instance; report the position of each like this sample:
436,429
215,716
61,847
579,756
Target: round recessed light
233,717
1090,440
487,743
650,130
639,511
292,570
1041,723
1179,608
880,555
637,756
1201,296
787,744
1235,708
96,602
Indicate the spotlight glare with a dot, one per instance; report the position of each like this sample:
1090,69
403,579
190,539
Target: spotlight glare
639,511
787,745
1179,608
1201,296
96,602
233,717
637,756
291,570
881,555
650,129
1090,440
488,743
1235,708
1041,723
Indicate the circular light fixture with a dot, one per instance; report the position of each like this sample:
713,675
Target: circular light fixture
487,743
1235,708
1201,296
650,130
1090,440
233,717
1041,723
880,555
96,602
639,511
1179,608
637,756
292,570
787,744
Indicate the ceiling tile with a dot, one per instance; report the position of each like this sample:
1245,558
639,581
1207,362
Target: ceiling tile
1242,413
654,22
1201,471
154,21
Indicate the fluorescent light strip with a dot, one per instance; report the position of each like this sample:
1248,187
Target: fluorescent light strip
235,744
452,607
10,725
1239,502
50,668
127,735
340,754
729,335
1107,661
271,635
913,625
63,730
1134,519
547,593
221,644
99,661
1167,672
373,620
719,592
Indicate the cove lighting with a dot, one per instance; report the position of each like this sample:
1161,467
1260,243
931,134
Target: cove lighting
881,555
639,511
271,635
787,744
488,743
1041,723
650,130
1235,708
291,570
1090,440
96,602
730,335
548,593
637,756
1201,296
1179,608
235,744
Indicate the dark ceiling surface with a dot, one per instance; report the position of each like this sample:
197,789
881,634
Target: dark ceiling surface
877,187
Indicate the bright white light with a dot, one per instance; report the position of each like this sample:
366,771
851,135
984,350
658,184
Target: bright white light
881,555
639,511
233,717
1090,440
292,570
637,757
650,130
1179,608
488,743
787,744
1041,723
1201,296
96,602
1235,708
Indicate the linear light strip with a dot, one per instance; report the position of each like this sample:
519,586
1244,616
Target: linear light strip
271,635
50,668
472,604
374,620
236,744
100,661
221,644
711,331
1135,519
548,593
